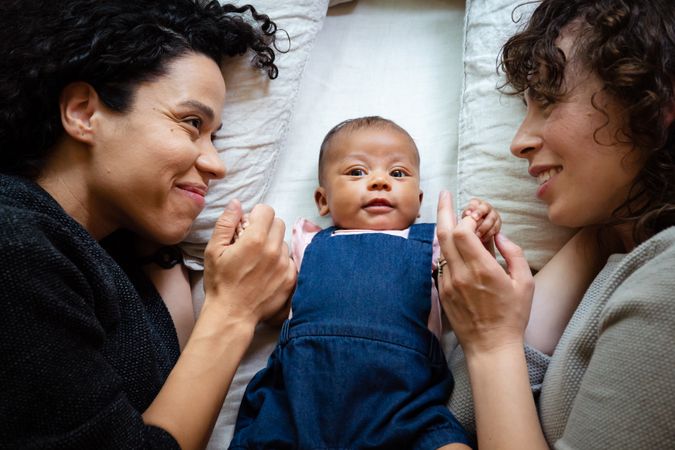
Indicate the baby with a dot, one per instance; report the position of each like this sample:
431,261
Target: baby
359,363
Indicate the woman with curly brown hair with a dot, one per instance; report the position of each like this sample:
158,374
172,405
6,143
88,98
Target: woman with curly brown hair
107,114
598,79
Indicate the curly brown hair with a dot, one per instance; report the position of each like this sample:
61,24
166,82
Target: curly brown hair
630,46
114,45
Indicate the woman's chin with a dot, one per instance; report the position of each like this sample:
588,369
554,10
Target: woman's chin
172,236
561,218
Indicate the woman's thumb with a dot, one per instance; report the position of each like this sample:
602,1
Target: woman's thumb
226,225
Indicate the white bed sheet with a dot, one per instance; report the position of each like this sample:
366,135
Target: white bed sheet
401,59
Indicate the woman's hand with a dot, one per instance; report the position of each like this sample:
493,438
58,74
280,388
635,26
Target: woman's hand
253,277
488,309
487,306
244,282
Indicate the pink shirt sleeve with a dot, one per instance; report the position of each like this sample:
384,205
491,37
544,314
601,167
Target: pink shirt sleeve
302,234
435,323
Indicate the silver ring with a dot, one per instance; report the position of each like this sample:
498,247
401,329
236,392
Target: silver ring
440,262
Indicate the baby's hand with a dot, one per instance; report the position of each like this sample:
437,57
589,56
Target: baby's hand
488,222
241,227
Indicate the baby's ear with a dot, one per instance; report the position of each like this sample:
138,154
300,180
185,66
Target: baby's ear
419,214
321,201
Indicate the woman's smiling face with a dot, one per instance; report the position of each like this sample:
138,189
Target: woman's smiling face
584,164
152,165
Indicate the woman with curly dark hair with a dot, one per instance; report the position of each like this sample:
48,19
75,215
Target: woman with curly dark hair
107,113
598,79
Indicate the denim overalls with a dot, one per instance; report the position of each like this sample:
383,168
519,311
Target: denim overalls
356,366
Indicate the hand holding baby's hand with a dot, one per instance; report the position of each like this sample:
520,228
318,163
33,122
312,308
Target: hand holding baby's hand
241,226
488,221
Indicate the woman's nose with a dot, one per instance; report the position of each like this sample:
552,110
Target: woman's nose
379,182
527,139
209,162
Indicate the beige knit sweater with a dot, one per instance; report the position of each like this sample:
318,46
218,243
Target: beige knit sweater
610,383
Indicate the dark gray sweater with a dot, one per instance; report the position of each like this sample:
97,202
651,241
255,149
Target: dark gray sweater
82,353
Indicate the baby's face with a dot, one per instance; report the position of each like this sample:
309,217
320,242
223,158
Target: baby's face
371,180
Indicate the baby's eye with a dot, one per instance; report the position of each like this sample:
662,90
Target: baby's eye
398,173
356,172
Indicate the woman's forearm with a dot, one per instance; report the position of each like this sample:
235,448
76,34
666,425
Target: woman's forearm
188,404
506,416
559,287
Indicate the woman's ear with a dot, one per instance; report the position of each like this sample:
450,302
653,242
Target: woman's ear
670,114
78,103
321,201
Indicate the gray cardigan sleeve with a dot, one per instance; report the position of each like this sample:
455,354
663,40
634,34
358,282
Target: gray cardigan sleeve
461,400
626,396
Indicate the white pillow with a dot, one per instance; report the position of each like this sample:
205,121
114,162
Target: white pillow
337,2
256,115
487,123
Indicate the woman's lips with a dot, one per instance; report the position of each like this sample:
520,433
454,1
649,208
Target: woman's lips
545,175
195,192
545,178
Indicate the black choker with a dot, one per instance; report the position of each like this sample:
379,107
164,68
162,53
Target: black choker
165,257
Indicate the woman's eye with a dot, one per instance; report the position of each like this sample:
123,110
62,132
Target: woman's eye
195,122
398,173
356,172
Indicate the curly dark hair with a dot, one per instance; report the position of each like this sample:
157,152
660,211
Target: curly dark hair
358,123
111,44
630,46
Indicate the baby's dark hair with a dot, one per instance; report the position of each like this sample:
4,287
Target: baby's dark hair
114,45
630,46
359,123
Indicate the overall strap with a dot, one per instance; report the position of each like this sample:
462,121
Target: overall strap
423,232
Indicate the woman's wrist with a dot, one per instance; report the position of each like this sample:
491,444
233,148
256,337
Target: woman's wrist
479,357
223,318
488,347
189,401
506,416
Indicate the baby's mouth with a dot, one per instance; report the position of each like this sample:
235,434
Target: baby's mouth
378,202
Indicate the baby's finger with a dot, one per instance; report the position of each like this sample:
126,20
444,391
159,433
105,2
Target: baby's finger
259,221
225,227
483,208
486,228
471,208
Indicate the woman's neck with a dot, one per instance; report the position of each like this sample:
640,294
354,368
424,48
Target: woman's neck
64,177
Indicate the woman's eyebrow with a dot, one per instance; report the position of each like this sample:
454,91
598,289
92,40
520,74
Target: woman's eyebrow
204,109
